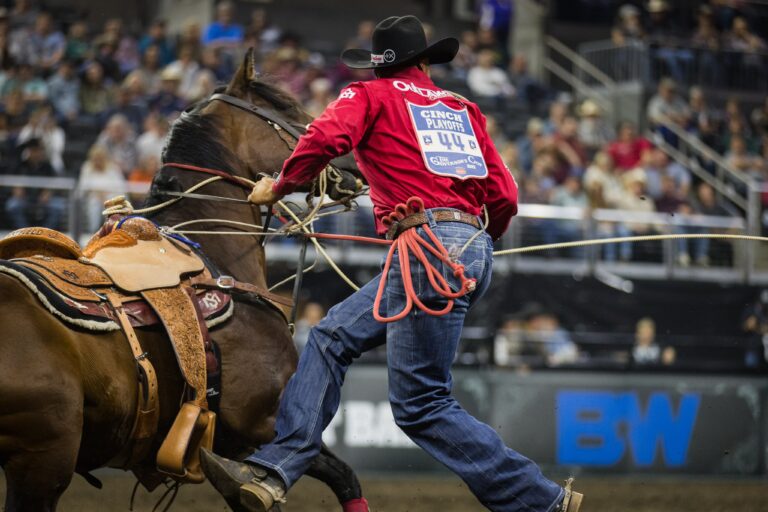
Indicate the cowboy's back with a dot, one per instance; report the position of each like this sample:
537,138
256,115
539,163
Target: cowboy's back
410,138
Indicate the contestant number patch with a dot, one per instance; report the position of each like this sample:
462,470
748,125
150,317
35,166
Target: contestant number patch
447,141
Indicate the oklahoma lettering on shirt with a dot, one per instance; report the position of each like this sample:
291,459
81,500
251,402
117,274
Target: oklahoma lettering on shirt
410,138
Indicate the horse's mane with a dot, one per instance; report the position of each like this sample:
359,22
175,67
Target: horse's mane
278,98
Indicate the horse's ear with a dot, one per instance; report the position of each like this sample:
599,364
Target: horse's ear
245,74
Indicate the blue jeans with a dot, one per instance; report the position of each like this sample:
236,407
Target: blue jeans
420,351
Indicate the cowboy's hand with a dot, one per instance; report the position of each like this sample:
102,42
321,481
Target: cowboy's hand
262,193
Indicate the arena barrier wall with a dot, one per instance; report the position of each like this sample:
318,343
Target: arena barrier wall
573,422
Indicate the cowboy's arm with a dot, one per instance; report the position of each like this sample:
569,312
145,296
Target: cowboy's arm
501,197
336,132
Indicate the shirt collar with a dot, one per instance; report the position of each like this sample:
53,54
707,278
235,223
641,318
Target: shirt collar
413,74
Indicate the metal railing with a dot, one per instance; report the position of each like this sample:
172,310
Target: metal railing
647,62
732,261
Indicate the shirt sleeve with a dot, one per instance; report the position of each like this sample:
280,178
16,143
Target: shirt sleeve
501,196
336,132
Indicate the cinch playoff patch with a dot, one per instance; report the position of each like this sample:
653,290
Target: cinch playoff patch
448,142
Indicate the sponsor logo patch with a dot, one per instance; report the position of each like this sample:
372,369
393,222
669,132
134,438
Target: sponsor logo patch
447,141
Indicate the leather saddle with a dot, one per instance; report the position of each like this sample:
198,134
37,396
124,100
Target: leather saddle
130,275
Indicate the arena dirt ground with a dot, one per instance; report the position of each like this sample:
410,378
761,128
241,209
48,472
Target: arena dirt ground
442,494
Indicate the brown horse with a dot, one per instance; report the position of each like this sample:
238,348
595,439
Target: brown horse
68,396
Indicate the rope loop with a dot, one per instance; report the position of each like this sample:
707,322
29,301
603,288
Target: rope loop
410,242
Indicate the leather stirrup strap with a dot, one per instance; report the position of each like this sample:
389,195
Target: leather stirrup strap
148,408
228,283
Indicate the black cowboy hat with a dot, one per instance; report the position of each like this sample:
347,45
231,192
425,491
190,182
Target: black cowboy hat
398,40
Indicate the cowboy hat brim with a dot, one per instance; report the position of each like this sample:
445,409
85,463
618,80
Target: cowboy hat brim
441,52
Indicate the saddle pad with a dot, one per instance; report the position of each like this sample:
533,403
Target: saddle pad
147,265
177,313
215,305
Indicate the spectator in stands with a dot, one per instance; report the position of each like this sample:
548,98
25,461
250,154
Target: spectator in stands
187,68
627,150
670,200
152,141
705,203
78,47
537,188
100,179
119,141
157,37
267,34
760,118
569,195
362,38
495,132
48,44
667,108
16,112
487,80
530,144
553,342
603,184
741,158
42,126
704,120
630,25
320,95
96,97
191,36
210,61
203,86
571,154
106,55
35,206
7,149
133,108
509,343
706,39
664,30
633,200
557,112
223,33
64,91
167,101
530,90
594,130
497,16
750,46
149,72
755,325
23,15
144,173
656,164
465,59
32,85
125,49
647,352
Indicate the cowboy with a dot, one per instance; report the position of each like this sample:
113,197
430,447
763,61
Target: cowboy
410,139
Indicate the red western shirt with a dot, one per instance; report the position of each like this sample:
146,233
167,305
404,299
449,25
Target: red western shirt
410,138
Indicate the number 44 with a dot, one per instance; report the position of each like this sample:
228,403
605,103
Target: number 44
454,139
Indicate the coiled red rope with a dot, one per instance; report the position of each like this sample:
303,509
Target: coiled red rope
411,242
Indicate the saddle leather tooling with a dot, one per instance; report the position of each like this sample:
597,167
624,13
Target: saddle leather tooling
131,275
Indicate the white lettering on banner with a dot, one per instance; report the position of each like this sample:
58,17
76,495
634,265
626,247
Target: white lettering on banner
366,425
347,94
427,93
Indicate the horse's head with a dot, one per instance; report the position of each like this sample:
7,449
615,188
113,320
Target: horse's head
256,143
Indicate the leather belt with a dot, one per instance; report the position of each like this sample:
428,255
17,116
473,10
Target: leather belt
440,215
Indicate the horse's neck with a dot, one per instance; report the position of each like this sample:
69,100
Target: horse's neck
236,255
